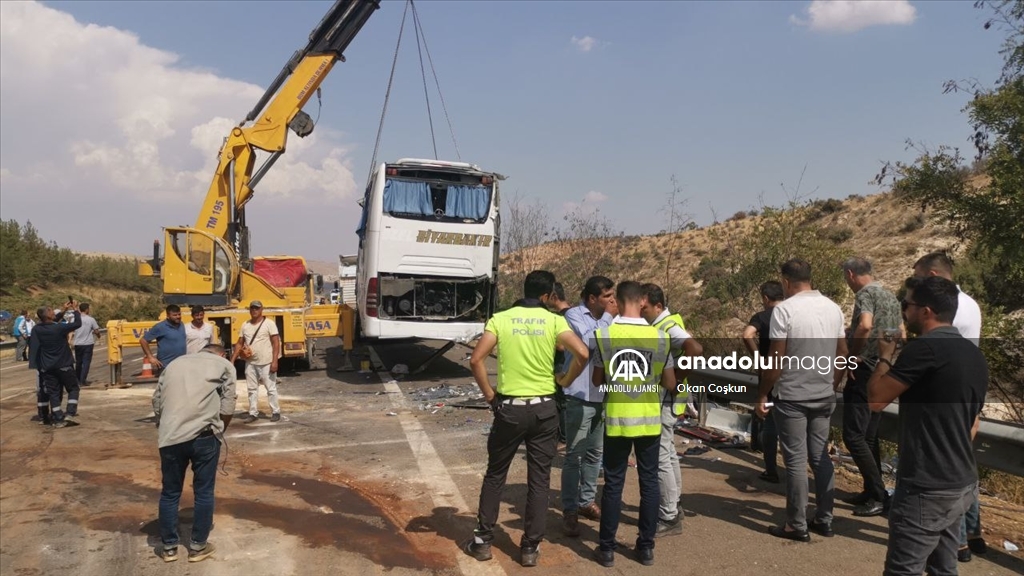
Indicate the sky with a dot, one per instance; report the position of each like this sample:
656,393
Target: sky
112,113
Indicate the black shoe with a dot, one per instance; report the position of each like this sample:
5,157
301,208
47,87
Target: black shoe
249,419
36,418
869,508
821,528
571,524
977,545
605,558
772,477
480,551
858,499
275,417
645,556
528,555
666,528
963,555
781,532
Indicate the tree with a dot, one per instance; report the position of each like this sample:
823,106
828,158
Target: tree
678,221
982,202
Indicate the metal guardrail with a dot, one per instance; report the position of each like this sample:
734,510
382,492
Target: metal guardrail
13,342
998,445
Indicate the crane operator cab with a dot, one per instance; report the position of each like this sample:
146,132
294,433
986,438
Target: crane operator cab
197,268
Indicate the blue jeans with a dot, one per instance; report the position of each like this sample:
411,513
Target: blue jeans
646,449
584,444
203,453
970,524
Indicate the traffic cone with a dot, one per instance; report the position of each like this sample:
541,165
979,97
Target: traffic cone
147,371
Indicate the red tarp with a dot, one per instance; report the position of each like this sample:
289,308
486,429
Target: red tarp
283,273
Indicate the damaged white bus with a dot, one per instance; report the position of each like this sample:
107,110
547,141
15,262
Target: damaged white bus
428,251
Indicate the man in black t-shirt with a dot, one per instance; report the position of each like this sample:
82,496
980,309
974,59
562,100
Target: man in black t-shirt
941,379
763,435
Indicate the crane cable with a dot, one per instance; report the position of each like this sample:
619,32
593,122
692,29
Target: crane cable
423,73
437,83
387,95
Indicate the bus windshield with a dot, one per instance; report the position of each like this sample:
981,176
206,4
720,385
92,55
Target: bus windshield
455,198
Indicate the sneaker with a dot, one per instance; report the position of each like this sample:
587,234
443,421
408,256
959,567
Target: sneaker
963,555
869,508
168,554
249,419
529,555
275,417
60,424
668,528
200,555
479,550
571,524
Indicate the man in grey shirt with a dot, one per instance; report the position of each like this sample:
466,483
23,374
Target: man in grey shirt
807,339
193,403
85,341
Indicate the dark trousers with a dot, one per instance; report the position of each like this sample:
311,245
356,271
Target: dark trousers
860,433
203,453
55,382
769,437
924,530
537,425
42,400
616,462
83,359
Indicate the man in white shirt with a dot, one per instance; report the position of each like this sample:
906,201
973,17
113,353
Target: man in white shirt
968,322
808,336
260,336
198,334
85,342
968,313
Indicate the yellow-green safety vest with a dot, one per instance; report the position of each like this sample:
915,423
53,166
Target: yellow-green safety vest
679,402
637,412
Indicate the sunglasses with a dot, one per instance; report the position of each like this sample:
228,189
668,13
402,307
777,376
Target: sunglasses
904,304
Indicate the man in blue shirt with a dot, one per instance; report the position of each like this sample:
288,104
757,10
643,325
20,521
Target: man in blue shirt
584,410
169,336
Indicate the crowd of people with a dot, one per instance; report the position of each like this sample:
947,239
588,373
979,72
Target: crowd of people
563,376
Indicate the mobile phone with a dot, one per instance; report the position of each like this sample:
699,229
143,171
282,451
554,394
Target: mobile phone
70,299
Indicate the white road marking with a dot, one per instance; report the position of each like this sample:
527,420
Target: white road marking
443,491
329,446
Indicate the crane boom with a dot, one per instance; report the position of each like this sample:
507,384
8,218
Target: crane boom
279,109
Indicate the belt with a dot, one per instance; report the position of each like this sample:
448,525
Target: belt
206,433
526,401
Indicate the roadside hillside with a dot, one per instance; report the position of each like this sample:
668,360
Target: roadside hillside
876,227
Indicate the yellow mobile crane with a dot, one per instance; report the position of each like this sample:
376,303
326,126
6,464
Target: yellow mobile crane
209,264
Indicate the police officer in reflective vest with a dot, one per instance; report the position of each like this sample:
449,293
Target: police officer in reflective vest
673,405
633,364
524,409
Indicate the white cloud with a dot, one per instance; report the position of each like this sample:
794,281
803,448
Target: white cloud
91,111
854,15
586,206
585,44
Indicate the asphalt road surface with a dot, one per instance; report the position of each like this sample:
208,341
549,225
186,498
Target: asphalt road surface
364,475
